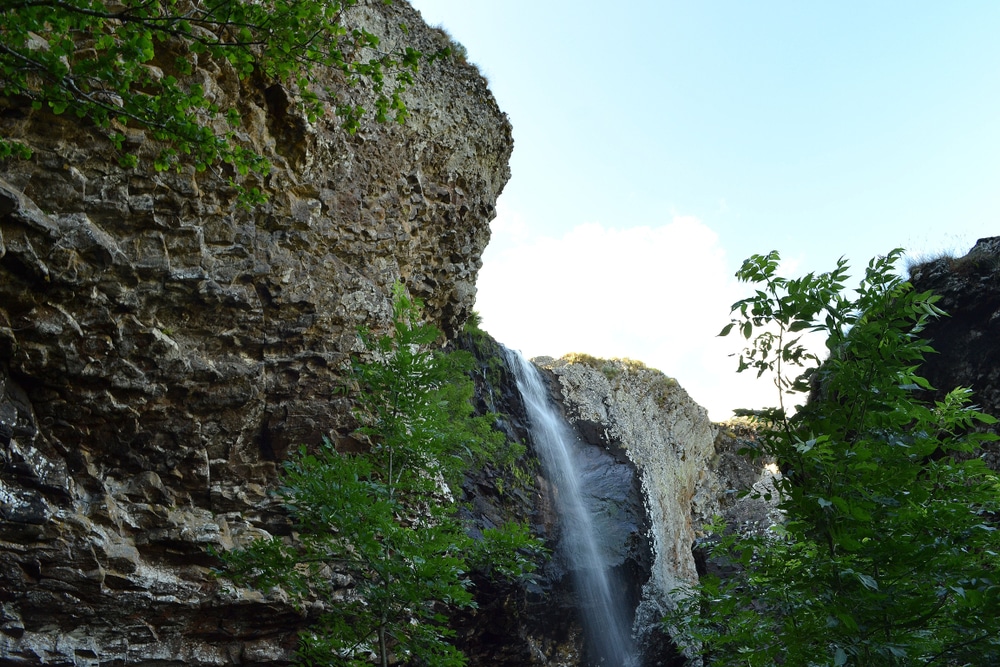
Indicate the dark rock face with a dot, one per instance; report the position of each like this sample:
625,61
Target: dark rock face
540,623
968,340
533,623
496,631
161,349
611,489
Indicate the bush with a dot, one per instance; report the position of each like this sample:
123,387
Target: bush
889,552
127,64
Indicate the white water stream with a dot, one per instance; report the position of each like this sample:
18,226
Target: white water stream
606,618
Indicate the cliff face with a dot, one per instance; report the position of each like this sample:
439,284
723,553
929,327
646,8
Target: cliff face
967,341
684,468
516,623
652,469
161,349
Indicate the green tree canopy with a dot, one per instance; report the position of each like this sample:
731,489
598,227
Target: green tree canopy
128,63
889,552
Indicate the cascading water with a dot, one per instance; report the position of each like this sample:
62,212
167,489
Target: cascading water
605,614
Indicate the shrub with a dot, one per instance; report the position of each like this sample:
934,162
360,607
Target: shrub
889,552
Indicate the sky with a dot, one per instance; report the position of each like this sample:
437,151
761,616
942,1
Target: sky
657,144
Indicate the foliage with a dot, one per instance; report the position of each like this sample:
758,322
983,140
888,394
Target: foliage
384,521
474,324
129,63
510,470
889,551
506,552
485,349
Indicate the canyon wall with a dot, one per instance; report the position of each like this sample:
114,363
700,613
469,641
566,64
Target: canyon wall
967,340
161,349
686,470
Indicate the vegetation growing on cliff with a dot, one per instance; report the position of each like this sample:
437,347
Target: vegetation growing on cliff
131,64
512,471
890,551
380,543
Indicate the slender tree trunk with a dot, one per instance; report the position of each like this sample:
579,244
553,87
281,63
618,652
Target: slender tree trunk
383,650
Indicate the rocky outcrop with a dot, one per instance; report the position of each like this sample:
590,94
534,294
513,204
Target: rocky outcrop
967,340
659,470
652,468
161,348
539,622
623,406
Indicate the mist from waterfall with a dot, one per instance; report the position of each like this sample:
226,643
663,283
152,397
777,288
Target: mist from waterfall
604,611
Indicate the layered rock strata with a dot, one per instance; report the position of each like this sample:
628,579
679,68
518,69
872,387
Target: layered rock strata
161,349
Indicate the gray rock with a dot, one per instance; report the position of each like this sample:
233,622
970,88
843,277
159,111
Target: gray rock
670,441
687,473
161,349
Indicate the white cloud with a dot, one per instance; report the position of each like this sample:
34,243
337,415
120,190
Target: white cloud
656,294
508,225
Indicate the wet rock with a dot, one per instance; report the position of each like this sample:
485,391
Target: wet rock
670,442
688,470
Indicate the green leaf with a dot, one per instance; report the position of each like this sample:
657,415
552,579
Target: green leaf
289,41
860,513
867,581
870,492
380,515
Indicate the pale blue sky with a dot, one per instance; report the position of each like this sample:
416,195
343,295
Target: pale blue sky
657,144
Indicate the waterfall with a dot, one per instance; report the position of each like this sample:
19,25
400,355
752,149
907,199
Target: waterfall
605,614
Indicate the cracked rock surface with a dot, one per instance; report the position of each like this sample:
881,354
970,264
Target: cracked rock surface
674,467
161,349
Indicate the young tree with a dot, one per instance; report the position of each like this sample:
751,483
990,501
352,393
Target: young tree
889,551
128,63
379,541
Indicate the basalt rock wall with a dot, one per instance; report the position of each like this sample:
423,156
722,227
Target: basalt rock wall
520,623
967,340
161,349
